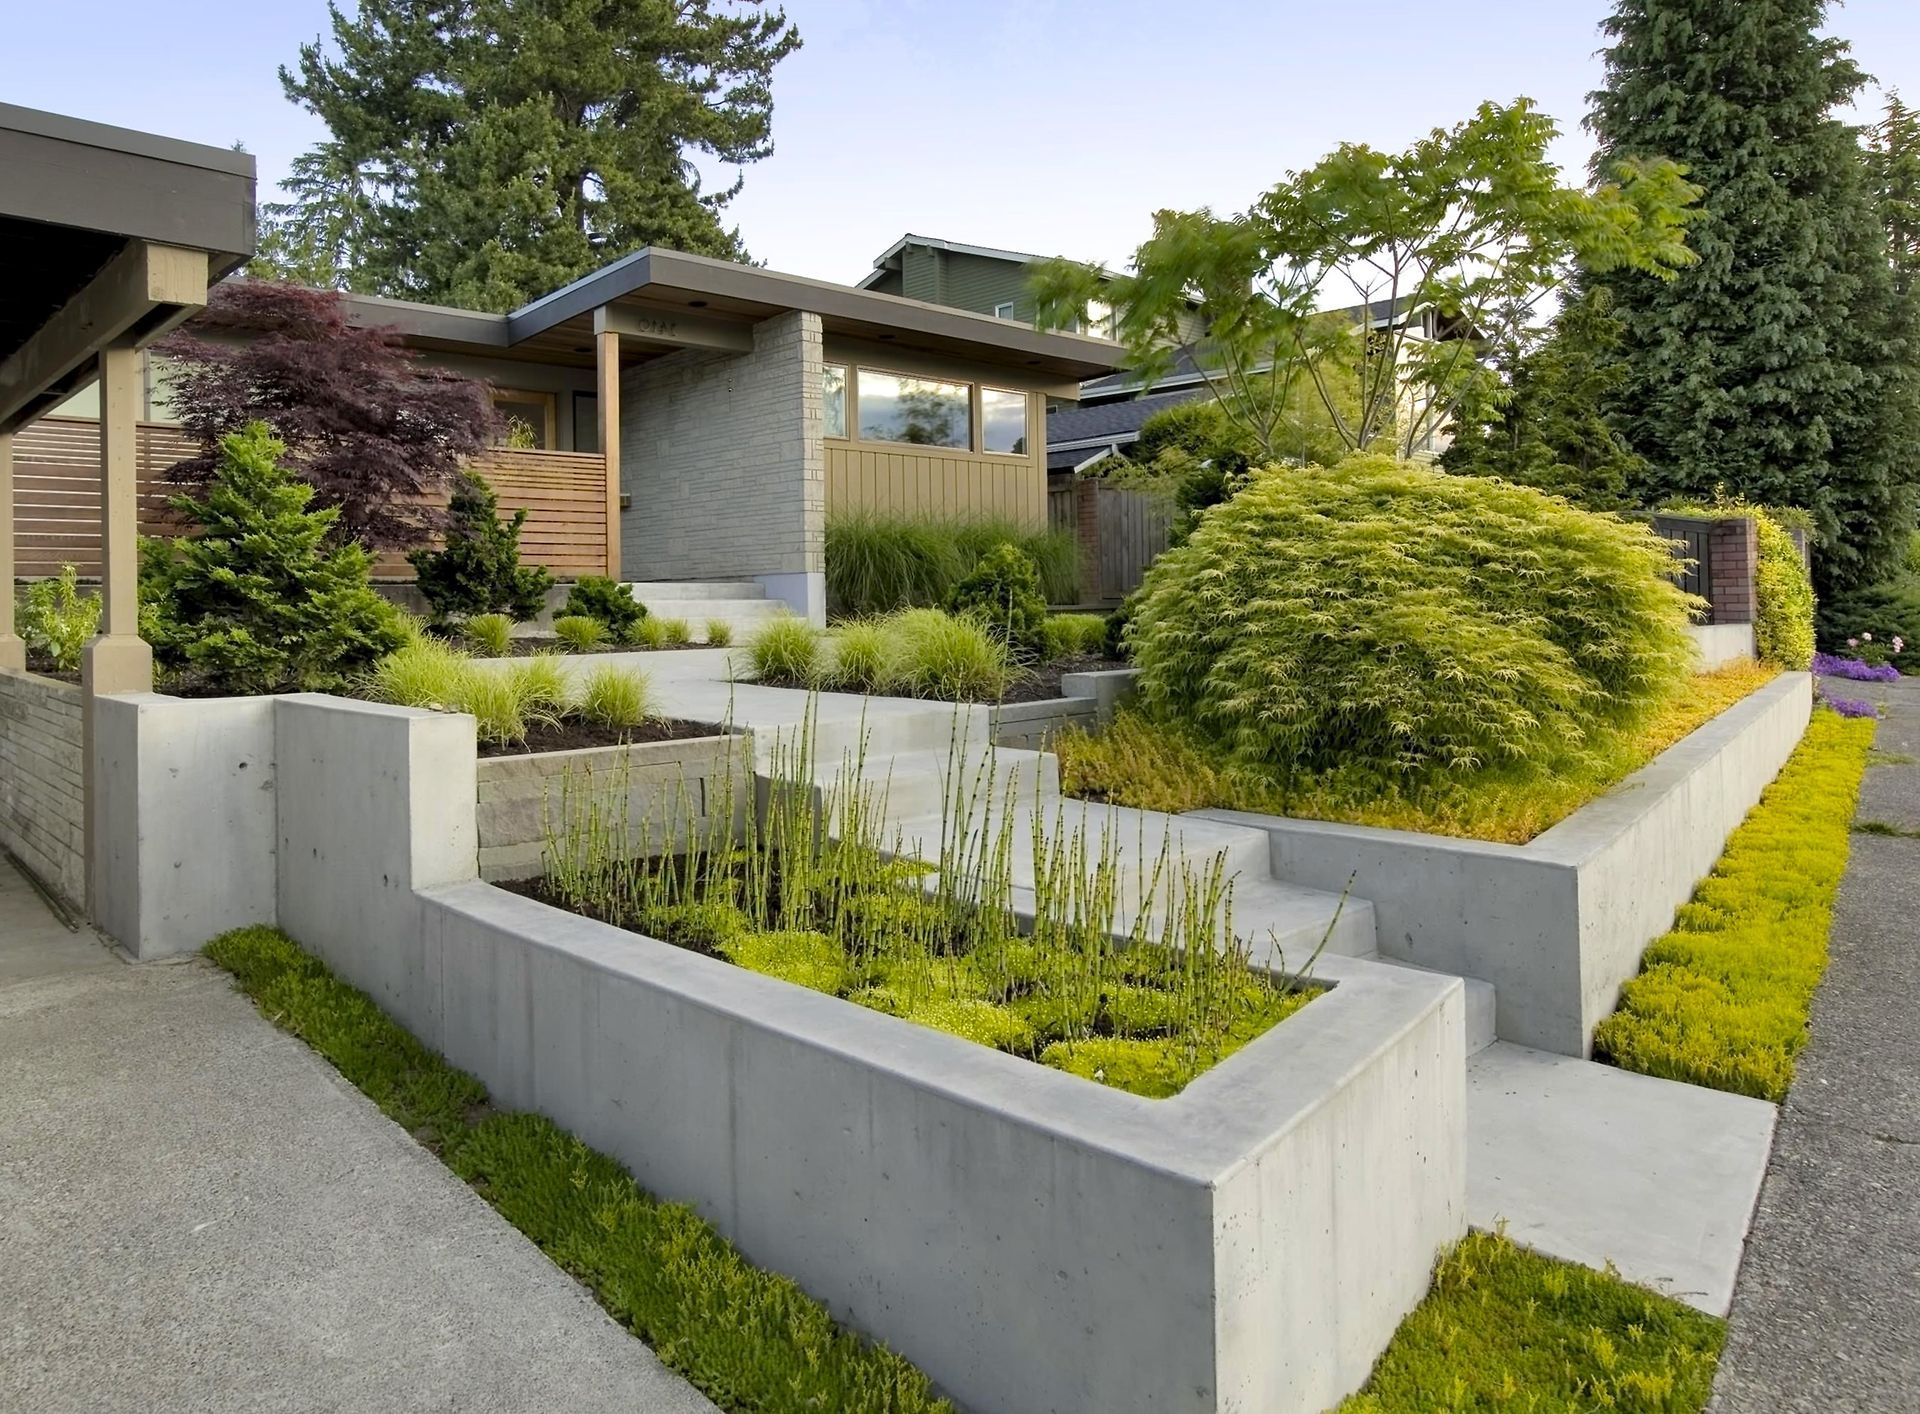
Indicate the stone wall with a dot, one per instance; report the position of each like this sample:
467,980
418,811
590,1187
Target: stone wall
721,456
42,800
674,787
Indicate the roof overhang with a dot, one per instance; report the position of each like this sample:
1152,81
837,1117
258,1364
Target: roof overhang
108,237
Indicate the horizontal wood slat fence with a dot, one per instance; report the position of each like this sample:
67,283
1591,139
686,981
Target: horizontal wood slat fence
56,499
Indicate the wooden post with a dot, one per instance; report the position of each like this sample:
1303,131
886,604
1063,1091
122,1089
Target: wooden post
607,367
118,661
13,653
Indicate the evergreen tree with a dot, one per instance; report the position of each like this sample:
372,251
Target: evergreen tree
1551,430
1772,367
484,152
1893,156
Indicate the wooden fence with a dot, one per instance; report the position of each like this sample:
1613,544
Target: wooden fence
56,475
1119,532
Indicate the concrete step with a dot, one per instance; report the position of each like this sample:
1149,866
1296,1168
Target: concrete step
1481,1006
919,784
696,589
872,730
1285,923
745,617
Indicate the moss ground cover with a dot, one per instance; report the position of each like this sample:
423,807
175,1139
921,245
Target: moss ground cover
813,897
751,1341
1161,766
1507,1329
1722,1000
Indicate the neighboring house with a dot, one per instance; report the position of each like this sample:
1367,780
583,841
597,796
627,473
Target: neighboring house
697,420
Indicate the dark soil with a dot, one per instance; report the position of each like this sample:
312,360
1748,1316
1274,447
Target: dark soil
43,665
575,735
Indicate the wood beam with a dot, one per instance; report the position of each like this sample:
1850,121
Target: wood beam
141,293
667,329
606,345
13,653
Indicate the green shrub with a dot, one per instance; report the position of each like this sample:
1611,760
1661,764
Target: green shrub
1722,1000
479,570
876,563
954,659
786,650
542,683
674,633
612,603
615,697
1003,593
719,633
491,633
648,632
579,632
859,658
56,618
506,702
1075,635
751,1340
1888,610
255,598
1382,620
423,673
1782,589
1506,1328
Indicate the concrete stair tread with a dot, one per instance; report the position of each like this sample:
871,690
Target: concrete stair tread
737,590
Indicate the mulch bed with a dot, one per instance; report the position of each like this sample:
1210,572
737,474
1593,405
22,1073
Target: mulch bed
576,735
41,664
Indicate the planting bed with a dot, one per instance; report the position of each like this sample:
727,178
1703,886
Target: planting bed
577,734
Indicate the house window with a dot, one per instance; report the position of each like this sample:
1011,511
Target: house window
586,422
833,400
1003,421
1003,311
526,419
922,411
1100,319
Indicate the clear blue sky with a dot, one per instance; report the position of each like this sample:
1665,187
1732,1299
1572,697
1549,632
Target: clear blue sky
1048,125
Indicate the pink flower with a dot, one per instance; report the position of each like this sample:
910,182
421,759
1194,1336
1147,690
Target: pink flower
1899,644
1853,643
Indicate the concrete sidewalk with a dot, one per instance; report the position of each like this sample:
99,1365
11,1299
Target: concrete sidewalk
197,1213
1826,1313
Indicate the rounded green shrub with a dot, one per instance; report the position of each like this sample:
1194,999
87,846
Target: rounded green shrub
1783,599
612,603
1003,594
1380,619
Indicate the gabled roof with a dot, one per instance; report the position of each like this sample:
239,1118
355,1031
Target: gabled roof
1111,423
1012,257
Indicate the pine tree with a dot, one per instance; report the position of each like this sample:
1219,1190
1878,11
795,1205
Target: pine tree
256,598
1771,368
484,152
1893,157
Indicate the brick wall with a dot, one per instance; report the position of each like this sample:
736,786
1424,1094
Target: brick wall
1733,554
721,455
42,801
672,788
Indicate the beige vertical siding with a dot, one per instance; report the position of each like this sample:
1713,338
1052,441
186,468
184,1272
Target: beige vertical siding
936,484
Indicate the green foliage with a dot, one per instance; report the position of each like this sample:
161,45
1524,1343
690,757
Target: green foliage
1722,999
579,632
1549,428
491,633
1383,621
1503,1328
859,658
613,696
937,655
479,570
55,618
256,598
719,633
1003,593
752,1341
1075,635
675,633
1775,367
876,563
648,632
1782,588
482,155
1470,223
597,597
786,650
507,699
1885,610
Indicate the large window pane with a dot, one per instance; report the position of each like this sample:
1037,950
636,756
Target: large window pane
1003,418
917,410
833,399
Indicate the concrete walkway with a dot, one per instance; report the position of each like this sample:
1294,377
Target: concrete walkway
1826,1315
197,1213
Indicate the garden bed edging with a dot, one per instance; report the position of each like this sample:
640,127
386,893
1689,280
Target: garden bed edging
1557,925
1087,702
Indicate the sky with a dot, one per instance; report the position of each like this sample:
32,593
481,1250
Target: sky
1052,126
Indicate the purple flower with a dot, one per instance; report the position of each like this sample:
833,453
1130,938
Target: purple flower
1852,707
1831,666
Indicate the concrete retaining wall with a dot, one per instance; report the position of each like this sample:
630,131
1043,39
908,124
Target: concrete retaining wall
1087,701
1720,644
1557,924
43,819
672,788
1034,1241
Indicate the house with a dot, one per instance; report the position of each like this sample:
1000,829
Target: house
691,422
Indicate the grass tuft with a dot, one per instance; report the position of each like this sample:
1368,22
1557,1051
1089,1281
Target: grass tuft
580,633
1504,1328
674,633
719,633
876,564
946,656
1722,1000
752,1341
492,634
787,649
1075,635
615,697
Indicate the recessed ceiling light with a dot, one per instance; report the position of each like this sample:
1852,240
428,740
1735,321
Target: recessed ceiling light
696,304
886,336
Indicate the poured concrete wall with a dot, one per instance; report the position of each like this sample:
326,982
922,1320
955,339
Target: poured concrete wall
43,820
1557,924
1720,644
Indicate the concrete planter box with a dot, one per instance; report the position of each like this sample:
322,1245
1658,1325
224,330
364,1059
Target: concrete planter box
1036,1242
1557,924
675,786
1087,701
